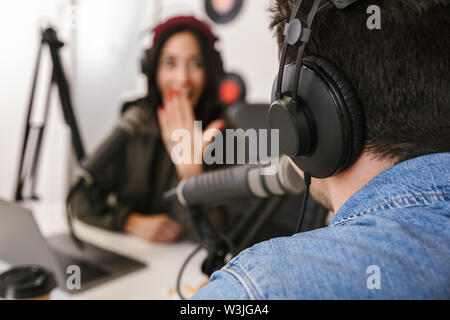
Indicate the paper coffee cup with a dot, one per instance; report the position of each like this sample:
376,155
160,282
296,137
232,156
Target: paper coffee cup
26,283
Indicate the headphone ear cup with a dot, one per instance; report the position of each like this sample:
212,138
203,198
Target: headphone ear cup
145,61
351,102
144,65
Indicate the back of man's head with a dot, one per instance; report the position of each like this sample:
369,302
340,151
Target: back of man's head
399,72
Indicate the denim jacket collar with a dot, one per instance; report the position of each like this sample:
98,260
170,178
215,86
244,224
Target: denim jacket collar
410,183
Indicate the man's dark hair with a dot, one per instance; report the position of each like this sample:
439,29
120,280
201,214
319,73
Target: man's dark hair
400,72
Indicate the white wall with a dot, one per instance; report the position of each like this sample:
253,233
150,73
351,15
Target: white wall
104,41
19,23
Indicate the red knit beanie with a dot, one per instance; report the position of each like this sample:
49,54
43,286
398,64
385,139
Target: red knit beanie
190,21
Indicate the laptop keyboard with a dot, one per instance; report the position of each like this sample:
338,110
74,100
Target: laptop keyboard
89,272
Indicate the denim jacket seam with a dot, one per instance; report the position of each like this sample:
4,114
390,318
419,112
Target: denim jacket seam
395,201
249,287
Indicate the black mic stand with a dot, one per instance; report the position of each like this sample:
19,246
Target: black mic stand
58,78
218,245
215,244
253,221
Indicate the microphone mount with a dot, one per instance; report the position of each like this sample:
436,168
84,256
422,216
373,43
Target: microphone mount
215,244
218,245
48,38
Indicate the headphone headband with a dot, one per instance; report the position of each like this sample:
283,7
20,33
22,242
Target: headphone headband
295,32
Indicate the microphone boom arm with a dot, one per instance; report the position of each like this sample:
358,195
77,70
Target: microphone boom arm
58,78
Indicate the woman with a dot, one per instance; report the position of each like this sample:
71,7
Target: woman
183,71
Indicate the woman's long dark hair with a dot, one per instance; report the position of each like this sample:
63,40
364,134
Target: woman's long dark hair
208,107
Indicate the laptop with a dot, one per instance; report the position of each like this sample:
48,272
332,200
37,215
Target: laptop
22,243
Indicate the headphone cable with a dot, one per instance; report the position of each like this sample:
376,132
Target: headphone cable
183,267
307,179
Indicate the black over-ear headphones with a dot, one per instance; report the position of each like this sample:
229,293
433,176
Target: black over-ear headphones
145,62
314,106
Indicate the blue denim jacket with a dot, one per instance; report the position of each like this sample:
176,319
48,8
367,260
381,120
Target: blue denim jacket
390,240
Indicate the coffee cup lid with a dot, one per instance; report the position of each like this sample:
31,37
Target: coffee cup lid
25,282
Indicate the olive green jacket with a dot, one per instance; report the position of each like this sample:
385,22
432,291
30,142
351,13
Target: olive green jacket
135,181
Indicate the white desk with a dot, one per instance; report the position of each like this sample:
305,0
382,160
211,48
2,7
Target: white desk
156,282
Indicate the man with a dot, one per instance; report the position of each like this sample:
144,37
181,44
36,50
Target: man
390,237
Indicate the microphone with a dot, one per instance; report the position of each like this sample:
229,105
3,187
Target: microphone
131,122
237,183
